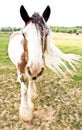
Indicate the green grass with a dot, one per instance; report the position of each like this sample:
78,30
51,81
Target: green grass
4,39
59,103
69,45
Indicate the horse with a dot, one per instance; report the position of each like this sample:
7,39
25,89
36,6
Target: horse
31,49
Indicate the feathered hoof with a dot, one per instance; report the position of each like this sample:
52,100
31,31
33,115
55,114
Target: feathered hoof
25,118
34,96
25,114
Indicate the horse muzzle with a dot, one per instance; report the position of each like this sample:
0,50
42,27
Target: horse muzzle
35,75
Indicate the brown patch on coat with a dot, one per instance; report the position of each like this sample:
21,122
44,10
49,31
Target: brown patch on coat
22,78
44,44
24,57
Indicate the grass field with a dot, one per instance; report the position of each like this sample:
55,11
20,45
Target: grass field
59,102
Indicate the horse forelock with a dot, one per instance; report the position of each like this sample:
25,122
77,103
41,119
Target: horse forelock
42,27
37,19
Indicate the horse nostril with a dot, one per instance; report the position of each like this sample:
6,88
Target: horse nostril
42,70
34,78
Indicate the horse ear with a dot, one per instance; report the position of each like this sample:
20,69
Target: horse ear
24,14
46,13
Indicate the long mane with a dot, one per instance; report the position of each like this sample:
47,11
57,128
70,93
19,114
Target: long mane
42,27
57,61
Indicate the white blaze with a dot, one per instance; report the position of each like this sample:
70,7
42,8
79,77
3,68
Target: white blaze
34,44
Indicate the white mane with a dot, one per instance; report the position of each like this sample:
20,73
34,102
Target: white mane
56,60
34,43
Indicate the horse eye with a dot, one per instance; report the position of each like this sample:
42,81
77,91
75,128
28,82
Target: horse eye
23,35
46,35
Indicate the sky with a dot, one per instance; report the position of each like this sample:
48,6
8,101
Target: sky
63,12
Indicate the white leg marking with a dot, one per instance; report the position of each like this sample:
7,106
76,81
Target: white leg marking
26,107
19,76
32,92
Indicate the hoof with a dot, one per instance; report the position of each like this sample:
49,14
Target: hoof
25,112
34,96
25,118
25,115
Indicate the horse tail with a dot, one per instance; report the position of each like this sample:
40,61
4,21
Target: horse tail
58,61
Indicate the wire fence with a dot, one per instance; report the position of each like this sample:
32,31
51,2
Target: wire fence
4,37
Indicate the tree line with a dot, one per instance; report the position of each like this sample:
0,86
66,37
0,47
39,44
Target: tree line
9,29
77,29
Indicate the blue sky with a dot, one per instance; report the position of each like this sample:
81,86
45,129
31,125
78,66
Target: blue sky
63,12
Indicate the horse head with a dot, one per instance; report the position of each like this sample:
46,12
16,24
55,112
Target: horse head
35,32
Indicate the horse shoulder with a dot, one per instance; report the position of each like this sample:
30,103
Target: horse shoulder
17,33
15,47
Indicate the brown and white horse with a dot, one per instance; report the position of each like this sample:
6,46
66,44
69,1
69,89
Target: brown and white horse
31,49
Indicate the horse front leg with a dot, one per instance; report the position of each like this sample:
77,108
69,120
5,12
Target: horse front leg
25,110
32,91
26,105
